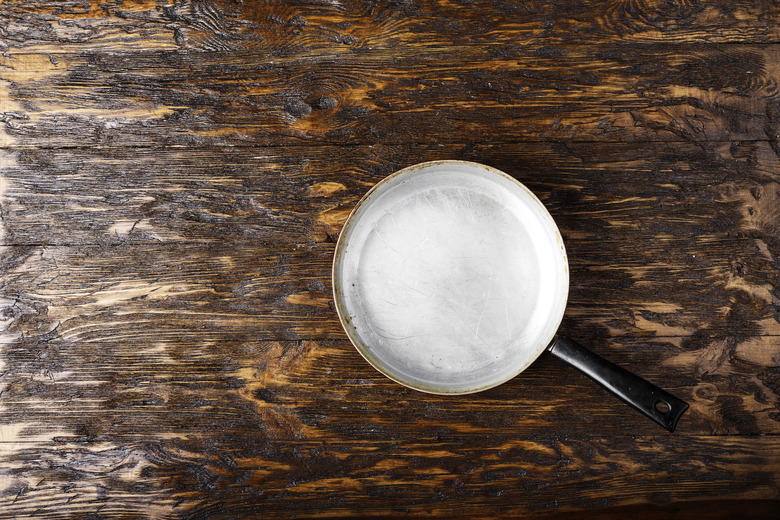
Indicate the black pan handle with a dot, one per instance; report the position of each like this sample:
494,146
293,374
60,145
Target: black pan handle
657,404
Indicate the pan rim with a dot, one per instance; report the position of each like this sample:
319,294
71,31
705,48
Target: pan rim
338,295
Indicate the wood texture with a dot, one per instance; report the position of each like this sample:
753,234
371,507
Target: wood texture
502,93
174,175
303,479
663,191
287,28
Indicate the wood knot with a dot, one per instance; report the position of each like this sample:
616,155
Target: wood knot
324,103
298,108
346,39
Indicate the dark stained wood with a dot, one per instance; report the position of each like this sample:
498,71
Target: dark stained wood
502,93
279,28
609,92
174,176
225,476
152,360
658,192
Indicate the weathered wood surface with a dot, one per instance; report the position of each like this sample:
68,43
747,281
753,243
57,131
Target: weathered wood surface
301,196
280,28
501,93
173,176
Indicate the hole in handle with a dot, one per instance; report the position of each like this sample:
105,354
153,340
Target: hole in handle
662,406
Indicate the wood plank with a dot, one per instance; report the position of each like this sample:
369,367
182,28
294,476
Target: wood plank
710,509
173,176
273,29
446,476
624,191
707,312
284,293
606,93
712,217
88,325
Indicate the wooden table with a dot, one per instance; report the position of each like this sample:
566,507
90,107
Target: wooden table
175,174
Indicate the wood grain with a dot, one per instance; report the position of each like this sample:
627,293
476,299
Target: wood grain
301,195
276,28
508,477
90,321
285,294
174,176
144,290
610,92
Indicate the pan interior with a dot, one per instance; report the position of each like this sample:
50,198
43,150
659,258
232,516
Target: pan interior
450,277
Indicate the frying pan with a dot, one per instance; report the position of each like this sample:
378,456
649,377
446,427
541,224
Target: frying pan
451,277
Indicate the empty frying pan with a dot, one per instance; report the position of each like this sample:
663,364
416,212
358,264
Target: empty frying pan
451,277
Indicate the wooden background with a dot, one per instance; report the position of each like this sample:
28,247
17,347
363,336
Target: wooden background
174,174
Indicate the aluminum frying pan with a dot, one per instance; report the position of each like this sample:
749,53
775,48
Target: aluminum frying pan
451,277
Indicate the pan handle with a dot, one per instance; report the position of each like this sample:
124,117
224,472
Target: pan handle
657,404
